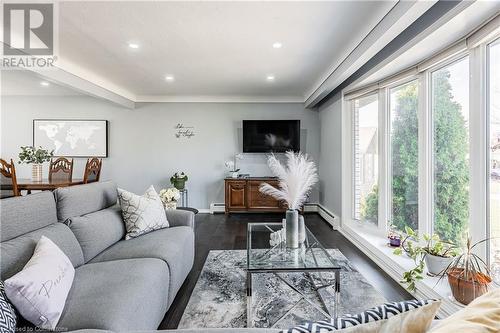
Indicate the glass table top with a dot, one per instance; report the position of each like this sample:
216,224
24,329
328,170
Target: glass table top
261,255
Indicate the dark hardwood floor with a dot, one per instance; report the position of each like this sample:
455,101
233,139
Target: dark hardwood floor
221,232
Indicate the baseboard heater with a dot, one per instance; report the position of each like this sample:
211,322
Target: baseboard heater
218,208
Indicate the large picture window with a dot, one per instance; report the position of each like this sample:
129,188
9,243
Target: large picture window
494,145
450,120
366,159
404,156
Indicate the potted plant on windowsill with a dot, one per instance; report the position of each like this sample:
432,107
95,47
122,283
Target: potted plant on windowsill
468,275
436,254
36,157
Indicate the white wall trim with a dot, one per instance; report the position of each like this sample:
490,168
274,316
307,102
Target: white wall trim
218,99
326,214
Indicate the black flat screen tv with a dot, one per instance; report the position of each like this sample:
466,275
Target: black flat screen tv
271,136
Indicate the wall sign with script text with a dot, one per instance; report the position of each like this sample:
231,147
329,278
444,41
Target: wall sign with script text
182,131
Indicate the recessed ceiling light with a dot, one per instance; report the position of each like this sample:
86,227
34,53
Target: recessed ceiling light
133,45
270,78
169,78
44,83
277,45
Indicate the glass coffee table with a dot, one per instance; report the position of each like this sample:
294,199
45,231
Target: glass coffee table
310,257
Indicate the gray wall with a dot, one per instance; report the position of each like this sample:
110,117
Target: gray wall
330,163
142,146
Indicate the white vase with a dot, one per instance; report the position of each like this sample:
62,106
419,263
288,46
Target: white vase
172,205
302,229
36,172
292,228
234,174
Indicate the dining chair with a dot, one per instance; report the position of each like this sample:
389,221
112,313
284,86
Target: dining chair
8,180
61,169
92,170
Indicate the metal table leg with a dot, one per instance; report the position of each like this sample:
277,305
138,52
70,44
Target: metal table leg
249,300
337,294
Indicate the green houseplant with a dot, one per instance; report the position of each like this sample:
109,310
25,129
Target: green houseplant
36,157
468,275
429,251
179,180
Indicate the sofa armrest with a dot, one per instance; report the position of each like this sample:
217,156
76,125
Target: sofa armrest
177,218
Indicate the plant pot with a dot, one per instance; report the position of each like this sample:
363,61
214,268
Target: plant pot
234,174
179,184
36,172
435,264
394,242
465,291
172,205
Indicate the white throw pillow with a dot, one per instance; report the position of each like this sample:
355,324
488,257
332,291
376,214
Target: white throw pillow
40,289
142,214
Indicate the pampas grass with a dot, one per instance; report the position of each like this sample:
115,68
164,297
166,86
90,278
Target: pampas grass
296,179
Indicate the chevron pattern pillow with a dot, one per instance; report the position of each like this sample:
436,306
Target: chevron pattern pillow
8,319
376,317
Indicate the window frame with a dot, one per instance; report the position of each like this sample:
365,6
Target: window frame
429,227
425,146
352,115
388,154
486,50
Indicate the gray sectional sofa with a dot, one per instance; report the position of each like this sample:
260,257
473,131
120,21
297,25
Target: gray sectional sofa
119,285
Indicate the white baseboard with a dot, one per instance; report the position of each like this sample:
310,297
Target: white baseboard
330,217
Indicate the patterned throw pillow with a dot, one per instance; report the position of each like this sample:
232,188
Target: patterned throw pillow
142,214
8,319
408,316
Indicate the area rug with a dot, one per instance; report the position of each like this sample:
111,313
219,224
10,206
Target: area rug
219,297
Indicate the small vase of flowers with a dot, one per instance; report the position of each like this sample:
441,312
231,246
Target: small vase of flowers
169,197
179,180
231,165
36,157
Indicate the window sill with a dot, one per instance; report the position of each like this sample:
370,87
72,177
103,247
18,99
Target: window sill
375,246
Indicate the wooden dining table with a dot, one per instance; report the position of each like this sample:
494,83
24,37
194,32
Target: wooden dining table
26,184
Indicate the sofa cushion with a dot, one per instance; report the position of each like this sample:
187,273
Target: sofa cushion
39,291
118,295
481,315
173,245
20,215
16,252
84,199
97,231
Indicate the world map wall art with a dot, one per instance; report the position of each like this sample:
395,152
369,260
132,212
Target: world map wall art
72,138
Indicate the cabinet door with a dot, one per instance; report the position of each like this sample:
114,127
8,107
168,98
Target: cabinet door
236,194
257,200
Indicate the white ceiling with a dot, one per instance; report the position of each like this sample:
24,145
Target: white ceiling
212,48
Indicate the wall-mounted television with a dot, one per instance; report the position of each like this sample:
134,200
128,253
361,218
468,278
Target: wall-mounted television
271,136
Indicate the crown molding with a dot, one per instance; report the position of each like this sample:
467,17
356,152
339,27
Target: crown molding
217,99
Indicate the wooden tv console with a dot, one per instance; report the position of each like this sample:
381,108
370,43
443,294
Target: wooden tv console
243,195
